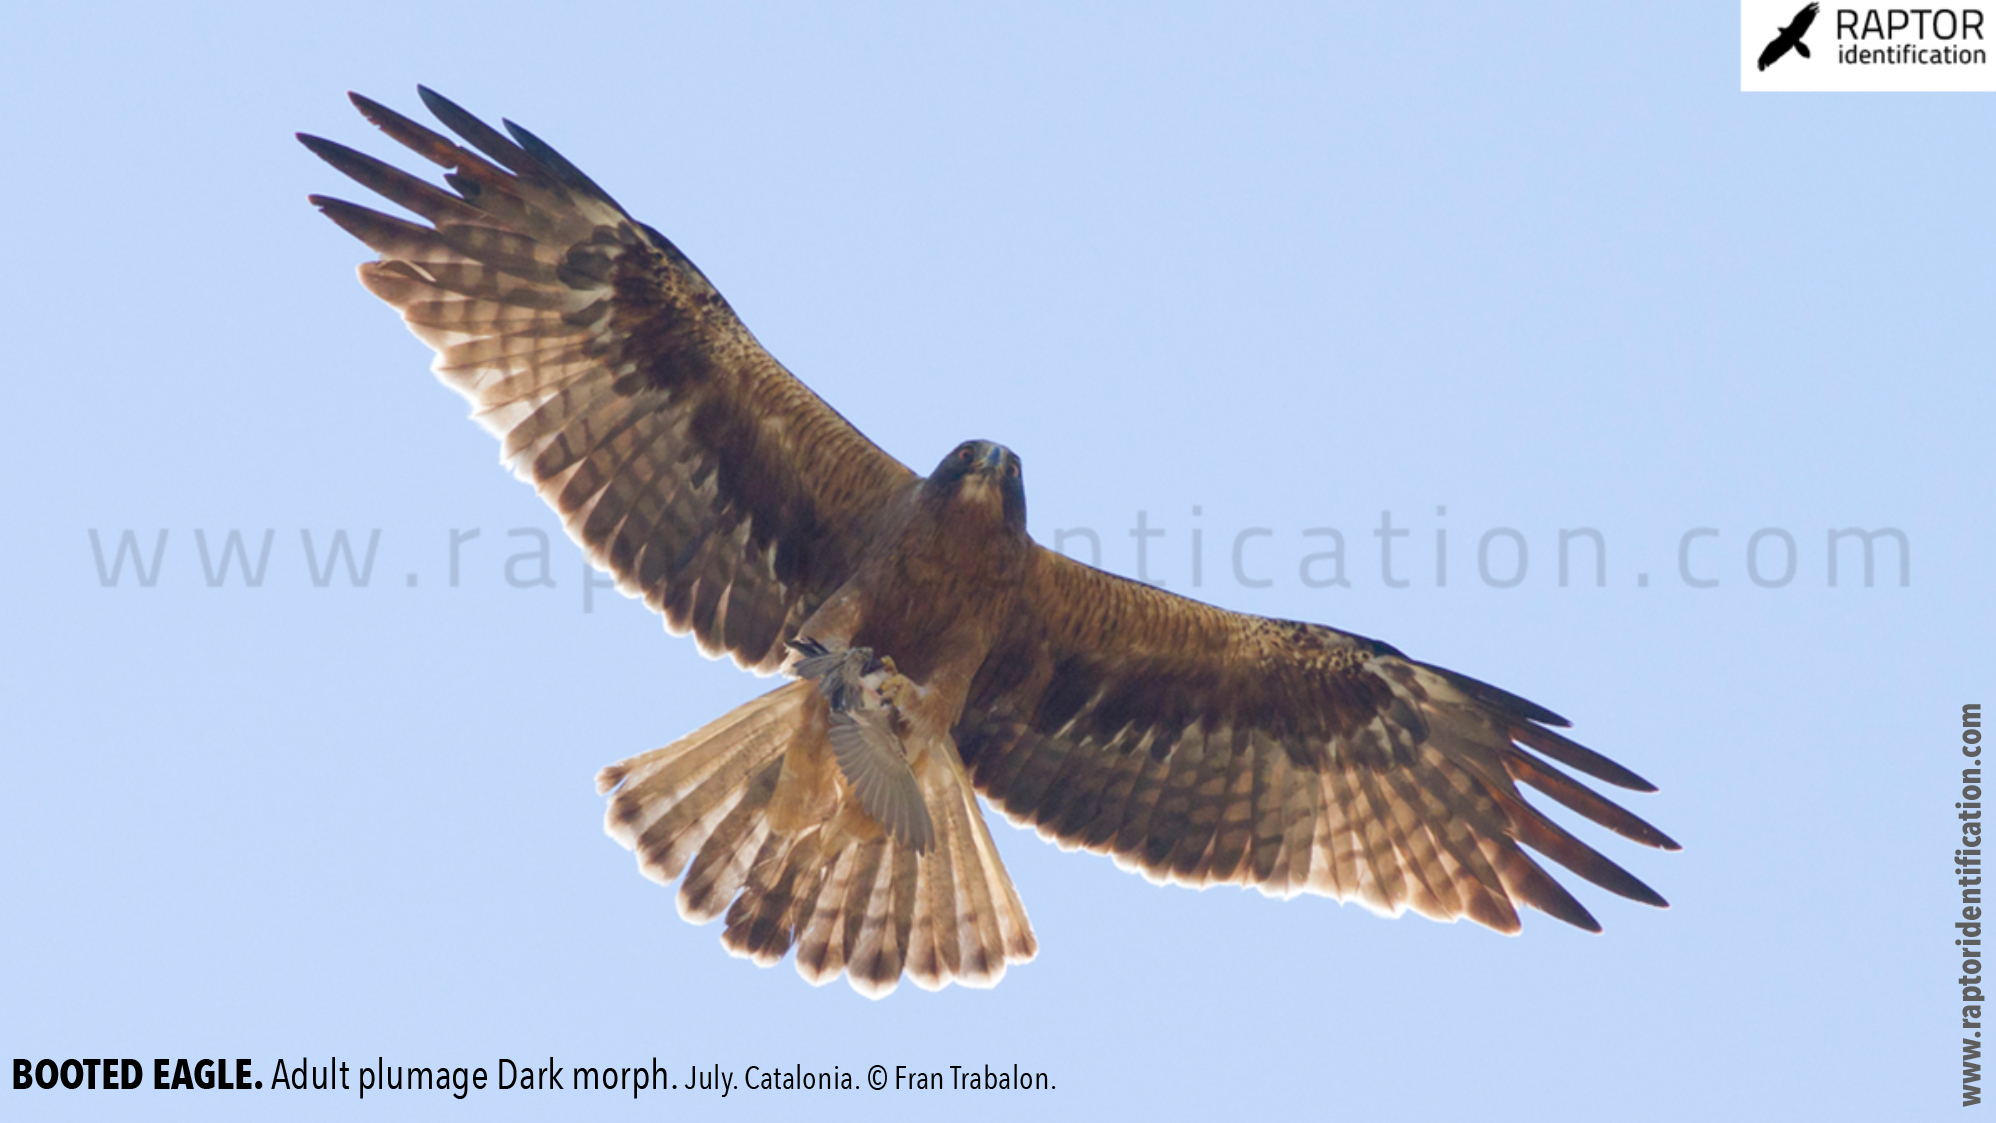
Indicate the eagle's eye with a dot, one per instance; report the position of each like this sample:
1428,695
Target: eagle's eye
1012,469
964,454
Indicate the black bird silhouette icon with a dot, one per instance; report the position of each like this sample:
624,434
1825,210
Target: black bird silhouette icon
1790,37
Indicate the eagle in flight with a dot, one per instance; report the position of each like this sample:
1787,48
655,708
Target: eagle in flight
1789,38
935,650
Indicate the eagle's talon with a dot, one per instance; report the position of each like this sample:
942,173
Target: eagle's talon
898,690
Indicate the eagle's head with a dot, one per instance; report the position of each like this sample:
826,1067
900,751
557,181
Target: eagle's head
985,474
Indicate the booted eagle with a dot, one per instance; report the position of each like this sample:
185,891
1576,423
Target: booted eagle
936,651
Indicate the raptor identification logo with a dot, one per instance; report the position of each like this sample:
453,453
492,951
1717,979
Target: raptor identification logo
1789,45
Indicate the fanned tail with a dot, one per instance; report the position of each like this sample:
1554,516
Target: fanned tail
753,811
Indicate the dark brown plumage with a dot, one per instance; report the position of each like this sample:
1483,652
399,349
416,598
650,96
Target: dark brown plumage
940,646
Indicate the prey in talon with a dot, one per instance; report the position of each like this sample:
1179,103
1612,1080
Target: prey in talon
861,692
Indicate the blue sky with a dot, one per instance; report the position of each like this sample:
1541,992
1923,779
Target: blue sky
1287,271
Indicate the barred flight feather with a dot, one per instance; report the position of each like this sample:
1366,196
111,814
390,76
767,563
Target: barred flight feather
574,331
850,898
1411,798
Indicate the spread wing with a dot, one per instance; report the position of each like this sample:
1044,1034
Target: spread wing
1203,746
1775,50
1800,25
680,454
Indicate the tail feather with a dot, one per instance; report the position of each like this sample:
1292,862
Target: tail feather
859,899
759,920
933,953
721,868
881,946
821,946
993,919
767,831
982,940
668,801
